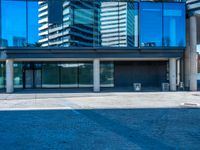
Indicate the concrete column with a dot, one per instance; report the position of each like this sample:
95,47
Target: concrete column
172,74
178,71
96,75
9,76
193,53
187,67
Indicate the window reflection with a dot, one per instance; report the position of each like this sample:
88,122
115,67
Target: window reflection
107,74
64,23
174,25
119,24
32,24
18,75
150,24
13,15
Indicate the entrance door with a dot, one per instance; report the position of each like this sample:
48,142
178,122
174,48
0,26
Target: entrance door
32,78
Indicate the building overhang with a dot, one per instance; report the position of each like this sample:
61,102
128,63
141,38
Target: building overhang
48,53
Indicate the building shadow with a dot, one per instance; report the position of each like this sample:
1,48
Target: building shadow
145,128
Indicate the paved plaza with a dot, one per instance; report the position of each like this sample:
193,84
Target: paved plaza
100,121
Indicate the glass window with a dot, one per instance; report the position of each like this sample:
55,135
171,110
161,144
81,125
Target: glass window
84,27
83,16
13,15
69,74
18,75
132,24
2,75
106,74
50,75
174,25
32,24
85,74
150,24
119,24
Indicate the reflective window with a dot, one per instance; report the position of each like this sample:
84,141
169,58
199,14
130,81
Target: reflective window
119,24
107,74
150,24
69,74
18,75
32,24
50,75
174,25
85,74
2,75
13,19
64,23
83,26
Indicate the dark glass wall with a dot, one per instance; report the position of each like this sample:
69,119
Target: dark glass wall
107,74
2,75
85,74
69,74
18,75
57,74
64,23
50,75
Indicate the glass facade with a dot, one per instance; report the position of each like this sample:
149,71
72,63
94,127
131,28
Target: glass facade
50,75
173,22
151,24
69,74
85,74
18,75
166,29
57,74
64,23
2,75
107,74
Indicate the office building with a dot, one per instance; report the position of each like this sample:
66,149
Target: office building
96,44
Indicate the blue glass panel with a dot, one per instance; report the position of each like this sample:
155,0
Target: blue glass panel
174,25
13,15
33,32
150,24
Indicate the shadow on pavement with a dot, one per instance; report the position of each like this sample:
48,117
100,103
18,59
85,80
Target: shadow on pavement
88,129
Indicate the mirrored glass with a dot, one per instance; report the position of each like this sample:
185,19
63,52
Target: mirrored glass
13,20
174,25
150,24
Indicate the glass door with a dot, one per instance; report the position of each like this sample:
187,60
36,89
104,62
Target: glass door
33,78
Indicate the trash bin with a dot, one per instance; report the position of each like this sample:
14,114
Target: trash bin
165,87
137,87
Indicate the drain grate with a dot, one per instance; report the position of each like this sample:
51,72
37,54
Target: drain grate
190,105
196,94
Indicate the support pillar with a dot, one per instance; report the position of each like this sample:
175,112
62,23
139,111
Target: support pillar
172,74
187,67
9,76
96,75
178,72
193,53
